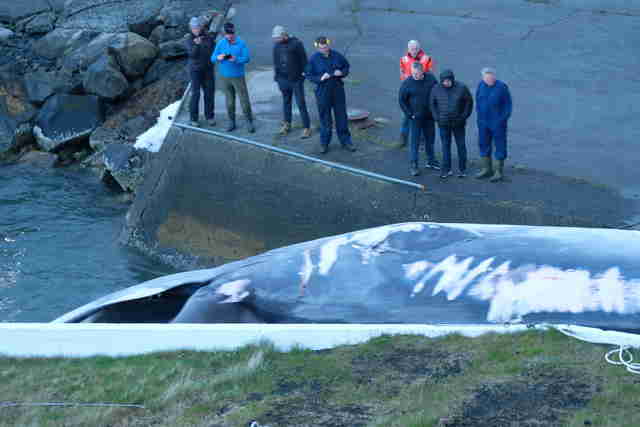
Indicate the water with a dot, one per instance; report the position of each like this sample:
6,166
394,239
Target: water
58,243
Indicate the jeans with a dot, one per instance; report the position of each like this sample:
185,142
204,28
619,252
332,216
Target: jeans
446,134
489,139
406,125
290,89
420,127
204,80
330,99
231,86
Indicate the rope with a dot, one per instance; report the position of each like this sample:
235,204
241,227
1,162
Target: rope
624,358
121,405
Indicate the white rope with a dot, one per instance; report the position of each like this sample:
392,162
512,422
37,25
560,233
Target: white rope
124,405
624,358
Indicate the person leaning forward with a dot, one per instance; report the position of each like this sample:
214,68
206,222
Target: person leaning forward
451,106
289,61
232,54
493,107
199,45
414,98
326,68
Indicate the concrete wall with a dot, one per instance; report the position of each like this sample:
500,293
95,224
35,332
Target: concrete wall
224,200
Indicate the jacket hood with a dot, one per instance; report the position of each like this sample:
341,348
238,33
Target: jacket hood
447,74
418,55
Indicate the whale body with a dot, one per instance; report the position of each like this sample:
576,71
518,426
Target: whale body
405,273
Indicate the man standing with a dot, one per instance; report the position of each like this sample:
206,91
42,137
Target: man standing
451,106
414,54
232,54
414,98
493,106
199,45
326,68
289,61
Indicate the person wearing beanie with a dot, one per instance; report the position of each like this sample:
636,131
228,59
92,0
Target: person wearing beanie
327,68
451,105
493,107
414,102
199,45
289,61
232,54
414,54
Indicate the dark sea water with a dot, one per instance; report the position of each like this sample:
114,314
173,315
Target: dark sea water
58,243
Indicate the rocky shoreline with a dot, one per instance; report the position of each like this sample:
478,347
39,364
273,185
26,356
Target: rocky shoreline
81,79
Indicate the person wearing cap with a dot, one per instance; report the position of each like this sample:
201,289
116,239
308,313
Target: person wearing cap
327,68
289,61
232,54
199,45
414,54
451,105
414,102
493,108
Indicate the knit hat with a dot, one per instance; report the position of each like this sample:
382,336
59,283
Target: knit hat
447,75
278,31
195,22
229,28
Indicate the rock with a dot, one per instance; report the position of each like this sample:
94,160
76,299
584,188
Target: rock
157,35
40,24
137,16
134,127
134,54
104,79
172,49
40,85
163,34
96,160
156,71
12,80
173,16
23,137
13,11
102,137
5,34
40,158
67,119
13,111
125,164
62,41
83,55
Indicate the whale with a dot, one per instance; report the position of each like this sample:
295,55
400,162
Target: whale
407,273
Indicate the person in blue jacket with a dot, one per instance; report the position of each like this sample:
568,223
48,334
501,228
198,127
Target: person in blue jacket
327,68
493,107
232,54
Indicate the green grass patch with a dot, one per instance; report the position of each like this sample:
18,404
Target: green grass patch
532,378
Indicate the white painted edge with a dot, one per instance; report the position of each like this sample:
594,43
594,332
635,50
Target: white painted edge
92,339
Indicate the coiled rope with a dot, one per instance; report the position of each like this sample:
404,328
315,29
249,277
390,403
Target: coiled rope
622,356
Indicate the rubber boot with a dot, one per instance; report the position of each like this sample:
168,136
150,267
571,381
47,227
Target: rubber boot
486,170
250,127
498,176
232,126
285,128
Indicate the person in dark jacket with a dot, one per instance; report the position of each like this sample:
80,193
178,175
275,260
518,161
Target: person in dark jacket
451,106
326,68
289,61
414,98
199,45
493,107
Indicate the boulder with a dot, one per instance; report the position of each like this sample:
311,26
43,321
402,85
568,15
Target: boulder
13,11
134,54
157,35
174,16
138,16
14,108
104,79
125,164
40,85
157,70
40,24
102,137
163,34
82,56
173,49
66,119
61,41
40,158
5,34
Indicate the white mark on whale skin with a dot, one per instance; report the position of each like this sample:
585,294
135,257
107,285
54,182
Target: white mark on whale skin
236,291
366,241
306,271
411,271
456,276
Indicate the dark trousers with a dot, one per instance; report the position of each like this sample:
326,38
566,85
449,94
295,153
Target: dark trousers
330,99
289,89
204,80
406,125
419,128
446,134
232,86
490,139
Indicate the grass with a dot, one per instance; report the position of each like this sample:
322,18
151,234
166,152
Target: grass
533,378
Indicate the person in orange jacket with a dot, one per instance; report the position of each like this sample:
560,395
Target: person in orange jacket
414,53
